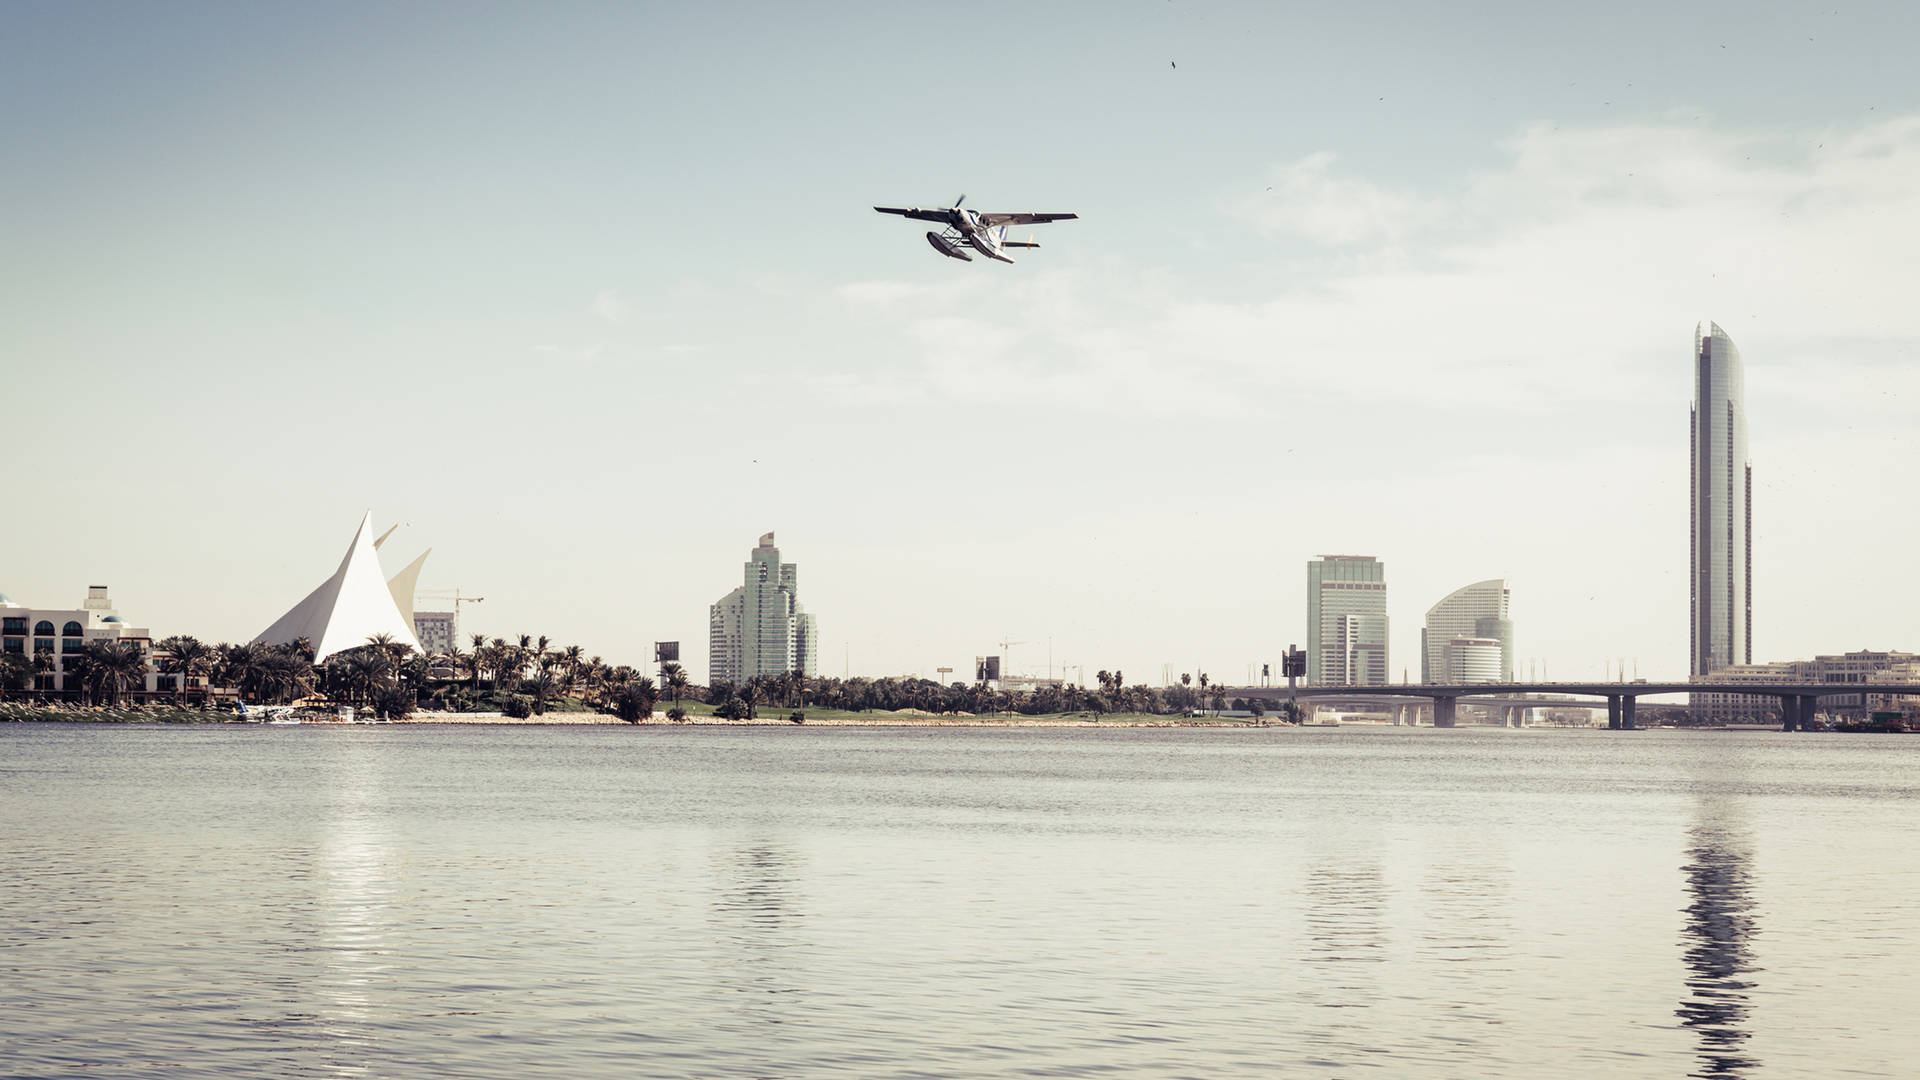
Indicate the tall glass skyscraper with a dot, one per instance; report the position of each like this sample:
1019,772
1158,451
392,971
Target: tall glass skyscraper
1721,548
760,627
1347,621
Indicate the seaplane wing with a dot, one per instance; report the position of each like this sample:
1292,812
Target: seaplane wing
991,220
942,216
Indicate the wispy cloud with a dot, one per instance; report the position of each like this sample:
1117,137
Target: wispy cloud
609,306
1308,199
1568,277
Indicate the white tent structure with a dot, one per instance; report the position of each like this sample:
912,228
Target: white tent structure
349,607
402,585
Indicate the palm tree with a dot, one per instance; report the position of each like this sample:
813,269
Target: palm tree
16,672
396,650
187,657
285,676
416,671
113,666
367,672
676,680
76,670
591,671
393,703
589,678
570,656
543,685
635,700
244,667
506,675
479,658
749,693
609,680
43,664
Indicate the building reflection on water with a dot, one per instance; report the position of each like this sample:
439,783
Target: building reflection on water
756,909
1717,937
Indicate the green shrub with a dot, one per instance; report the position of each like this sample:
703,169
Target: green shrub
517,706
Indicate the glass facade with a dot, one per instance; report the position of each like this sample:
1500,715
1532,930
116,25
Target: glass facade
760,628
1347,621
1721,531
1478,610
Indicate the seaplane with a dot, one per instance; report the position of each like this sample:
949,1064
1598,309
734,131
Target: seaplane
983,232
266,714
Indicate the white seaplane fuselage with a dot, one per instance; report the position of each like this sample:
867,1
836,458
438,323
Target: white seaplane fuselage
987,241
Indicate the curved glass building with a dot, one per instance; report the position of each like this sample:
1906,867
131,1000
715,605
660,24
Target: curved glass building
1721,548
1479,612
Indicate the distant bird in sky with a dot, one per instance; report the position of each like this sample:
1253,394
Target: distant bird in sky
1171,64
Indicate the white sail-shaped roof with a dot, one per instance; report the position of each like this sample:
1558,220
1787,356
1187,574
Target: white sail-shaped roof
402,584
348,608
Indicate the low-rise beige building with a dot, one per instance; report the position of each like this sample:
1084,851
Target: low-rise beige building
61,633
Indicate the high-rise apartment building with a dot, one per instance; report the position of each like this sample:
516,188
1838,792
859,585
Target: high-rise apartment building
1347,621
438,631
760,628
1476,611
1721,548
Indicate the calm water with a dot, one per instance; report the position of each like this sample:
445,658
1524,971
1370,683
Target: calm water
501,902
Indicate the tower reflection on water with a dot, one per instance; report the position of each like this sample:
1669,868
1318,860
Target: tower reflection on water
757,911
1717,938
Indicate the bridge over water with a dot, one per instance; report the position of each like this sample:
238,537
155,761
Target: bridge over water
1797,699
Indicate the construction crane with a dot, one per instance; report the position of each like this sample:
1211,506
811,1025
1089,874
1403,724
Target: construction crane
448,594
1006,655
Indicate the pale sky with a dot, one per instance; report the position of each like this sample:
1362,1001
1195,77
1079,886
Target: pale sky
590,296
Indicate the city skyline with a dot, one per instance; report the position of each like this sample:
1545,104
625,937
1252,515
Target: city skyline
1433,315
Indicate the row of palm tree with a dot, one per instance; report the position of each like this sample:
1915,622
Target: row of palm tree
389,675
859,694
382,673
